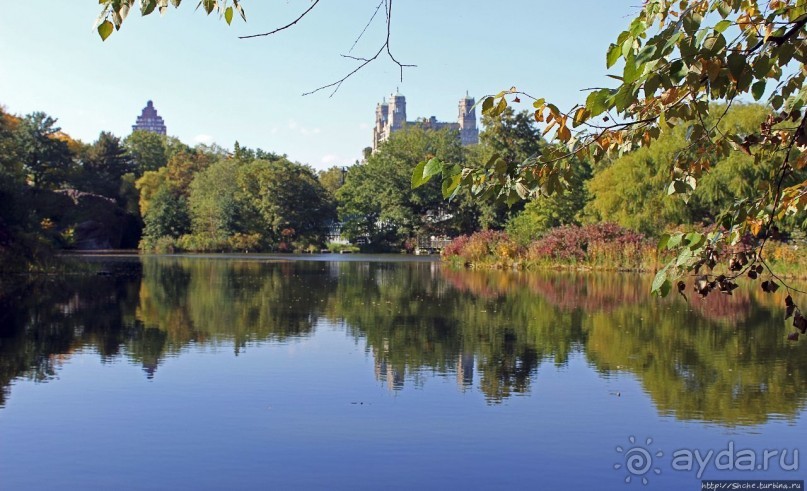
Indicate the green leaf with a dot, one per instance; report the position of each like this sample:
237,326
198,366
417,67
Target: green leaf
627,47
736,63
597,101
651,85
417,175
722,25
695,240
661,285
105,29
762,66
678,70
614,53
646,54
758,89
683,258
499,109
512,197
674,241
500,166
632,70
147,6
671,42
690,24
662,242
487,105
228,15
209,5
624,97
432,168
676,187
450,185
714,44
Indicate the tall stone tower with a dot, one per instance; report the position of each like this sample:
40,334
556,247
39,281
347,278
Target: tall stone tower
469,134
380,128
149,120
389,116
397,110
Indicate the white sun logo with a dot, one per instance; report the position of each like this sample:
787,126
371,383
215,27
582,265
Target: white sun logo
638,460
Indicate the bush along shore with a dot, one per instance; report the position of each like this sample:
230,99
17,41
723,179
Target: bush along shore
601,246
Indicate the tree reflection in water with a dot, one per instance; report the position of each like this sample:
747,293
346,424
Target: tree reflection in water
723,359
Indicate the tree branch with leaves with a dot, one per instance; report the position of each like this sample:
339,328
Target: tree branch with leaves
683,62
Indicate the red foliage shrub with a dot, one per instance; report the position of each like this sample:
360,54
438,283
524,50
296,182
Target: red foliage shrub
575,244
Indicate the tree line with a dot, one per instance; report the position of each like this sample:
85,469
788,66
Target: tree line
160,194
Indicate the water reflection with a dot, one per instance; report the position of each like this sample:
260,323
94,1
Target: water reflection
723,360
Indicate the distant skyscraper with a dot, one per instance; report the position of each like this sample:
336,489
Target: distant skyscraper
149,120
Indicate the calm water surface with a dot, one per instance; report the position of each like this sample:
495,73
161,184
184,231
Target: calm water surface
349,372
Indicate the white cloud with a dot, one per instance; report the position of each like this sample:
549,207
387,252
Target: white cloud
303,130
206,139
330,159
364,126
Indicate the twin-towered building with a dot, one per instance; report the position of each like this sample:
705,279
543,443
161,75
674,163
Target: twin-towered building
391,117
150,121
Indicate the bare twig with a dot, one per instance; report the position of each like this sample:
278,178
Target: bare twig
298,19
367,61
365,27
364,61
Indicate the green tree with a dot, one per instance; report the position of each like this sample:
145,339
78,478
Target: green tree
15,212
167,216
545,212
509,139
103,165
44,154
216,209
148,151
332,179
376,200
633,190
289,200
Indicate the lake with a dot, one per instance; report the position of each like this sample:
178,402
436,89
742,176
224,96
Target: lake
385,372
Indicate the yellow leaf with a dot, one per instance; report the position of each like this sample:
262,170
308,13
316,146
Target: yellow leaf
539,115
549,126
580,116
755,225
564,134
744,22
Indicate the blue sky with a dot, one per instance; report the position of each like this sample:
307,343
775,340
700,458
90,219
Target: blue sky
211,86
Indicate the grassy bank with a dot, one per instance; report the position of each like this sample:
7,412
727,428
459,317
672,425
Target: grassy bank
600,247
